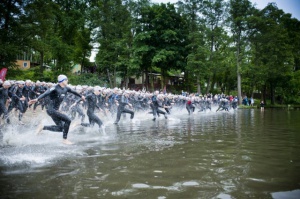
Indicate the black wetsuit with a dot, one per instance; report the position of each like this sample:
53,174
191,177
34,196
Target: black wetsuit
16,102
38,90
29,94
224,105
167,102
3,98
57,95
156,103
121,108
190,106
91,100
76,109
112,105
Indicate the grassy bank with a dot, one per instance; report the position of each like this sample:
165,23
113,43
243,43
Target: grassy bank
279,106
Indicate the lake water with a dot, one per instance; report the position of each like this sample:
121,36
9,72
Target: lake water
236,154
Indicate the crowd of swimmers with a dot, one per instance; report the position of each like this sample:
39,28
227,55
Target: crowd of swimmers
63,103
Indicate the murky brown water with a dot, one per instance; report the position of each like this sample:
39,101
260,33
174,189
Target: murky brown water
240,154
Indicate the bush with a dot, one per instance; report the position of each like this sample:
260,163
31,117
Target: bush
32,74
18,74
86,79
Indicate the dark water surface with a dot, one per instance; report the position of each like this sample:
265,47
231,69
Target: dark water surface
240,154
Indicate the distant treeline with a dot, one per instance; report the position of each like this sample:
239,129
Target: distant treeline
219,45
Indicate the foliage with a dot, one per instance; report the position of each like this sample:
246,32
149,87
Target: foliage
161,38
86,79
32,74
225,46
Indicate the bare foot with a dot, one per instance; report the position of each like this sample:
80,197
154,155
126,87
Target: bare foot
65,141
39,129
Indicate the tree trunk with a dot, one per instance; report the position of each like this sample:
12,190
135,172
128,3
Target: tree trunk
213,82
187,81
42,68
152,82
147,79
82,63
143,80
198,85
272,92
239,79
264,94
126,82
163,79
208,85
109,78
114,77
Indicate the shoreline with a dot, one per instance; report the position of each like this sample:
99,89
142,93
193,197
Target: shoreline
285,106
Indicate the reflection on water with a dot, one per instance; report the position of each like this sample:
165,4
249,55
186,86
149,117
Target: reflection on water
287,194
240,154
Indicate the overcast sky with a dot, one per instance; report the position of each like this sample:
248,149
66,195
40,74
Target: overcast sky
288,6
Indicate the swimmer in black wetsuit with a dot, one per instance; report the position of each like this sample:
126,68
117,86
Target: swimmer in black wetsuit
3,99
157,102
18,100
57,95
122,107
91,100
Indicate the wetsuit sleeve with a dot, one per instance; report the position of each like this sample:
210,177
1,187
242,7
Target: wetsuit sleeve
14,92
32,90
74,92
45,94
86,98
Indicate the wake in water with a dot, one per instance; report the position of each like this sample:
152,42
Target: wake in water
21,145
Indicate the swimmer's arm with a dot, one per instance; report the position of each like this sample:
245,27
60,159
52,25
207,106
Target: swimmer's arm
77,94
45,94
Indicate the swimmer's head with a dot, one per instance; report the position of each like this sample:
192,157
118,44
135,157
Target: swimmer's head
61,78
6,84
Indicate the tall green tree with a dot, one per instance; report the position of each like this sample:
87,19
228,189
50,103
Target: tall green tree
40,18
214,15
70,18
273,53
197,49
13,36
162,38
112,20
136,67
240,11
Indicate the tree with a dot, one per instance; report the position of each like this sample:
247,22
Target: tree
197,49
112,20
13,36
273,53
214,14
161,39
240,11
39,20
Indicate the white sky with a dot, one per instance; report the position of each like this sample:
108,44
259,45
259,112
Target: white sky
288,6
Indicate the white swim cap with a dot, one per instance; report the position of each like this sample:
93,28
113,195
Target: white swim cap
21,82
97,88
61,78
6,83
